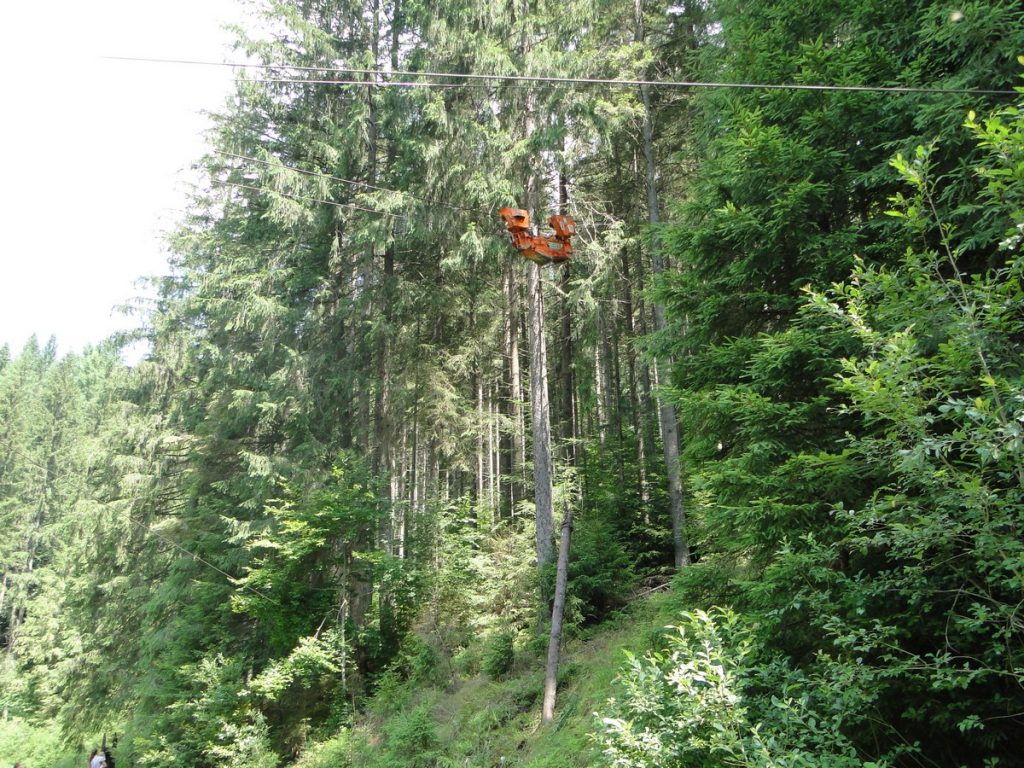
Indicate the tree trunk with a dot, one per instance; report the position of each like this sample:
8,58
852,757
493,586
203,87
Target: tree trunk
666,411
541,421
565,392
481,480
637,414
541,415
647,409
514,436
599,399
557,613
493,470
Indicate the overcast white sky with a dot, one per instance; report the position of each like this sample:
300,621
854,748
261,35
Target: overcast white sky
96,153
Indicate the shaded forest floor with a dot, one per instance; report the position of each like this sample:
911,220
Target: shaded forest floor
481,720
451,713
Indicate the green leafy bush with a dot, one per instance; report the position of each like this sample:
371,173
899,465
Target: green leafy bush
34,745
244,744
412,738
332,753
499,656
928,601
699,702
600,569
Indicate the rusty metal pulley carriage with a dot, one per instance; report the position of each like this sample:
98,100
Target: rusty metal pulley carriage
542,249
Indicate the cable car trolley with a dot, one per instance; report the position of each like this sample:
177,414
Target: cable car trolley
541,249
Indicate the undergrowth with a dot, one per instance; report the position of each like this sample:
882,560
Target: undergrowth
492,716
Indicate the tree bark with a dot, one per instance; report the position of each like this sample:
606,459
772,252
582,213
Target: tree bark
541,415
557,614
541,418
514,437
666,411
565,391
638,416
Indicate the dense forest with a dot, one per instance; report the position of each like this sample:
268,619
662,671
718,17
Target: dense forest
740,483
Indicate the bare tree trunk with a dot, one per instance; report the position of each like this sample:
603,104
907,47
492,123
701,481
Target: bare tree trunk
541,416
481,424
557,614
515,437
565,392
646,399
616,371
403,494
493,471
666,411
564,375
381,459
599,384
643,449
396,33
541,421
608,392
507,432
414,463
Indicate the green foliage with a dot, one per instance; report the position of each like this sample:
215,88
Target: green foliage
330,753
601,571
412,738
482,582
21,741
425,663
882,574
788,189
851,485
309,666
392,693
309,538
245,745
938,387
499,655
315,489
700,701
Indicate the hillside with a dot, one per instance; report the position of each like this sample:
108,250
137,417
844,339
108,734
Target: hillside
483,325
477,719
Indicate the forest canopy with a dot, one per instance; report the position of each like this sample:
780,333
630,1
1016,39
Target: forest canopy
774,399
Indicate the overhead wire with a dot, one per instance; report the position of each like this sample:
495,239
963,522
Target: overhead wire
171,543
306,198
615,82
351,182
376,83
370,83
481,79
437,203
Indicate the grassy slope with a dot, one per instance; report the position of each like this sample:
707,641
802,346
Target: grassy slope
478,722
475,722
